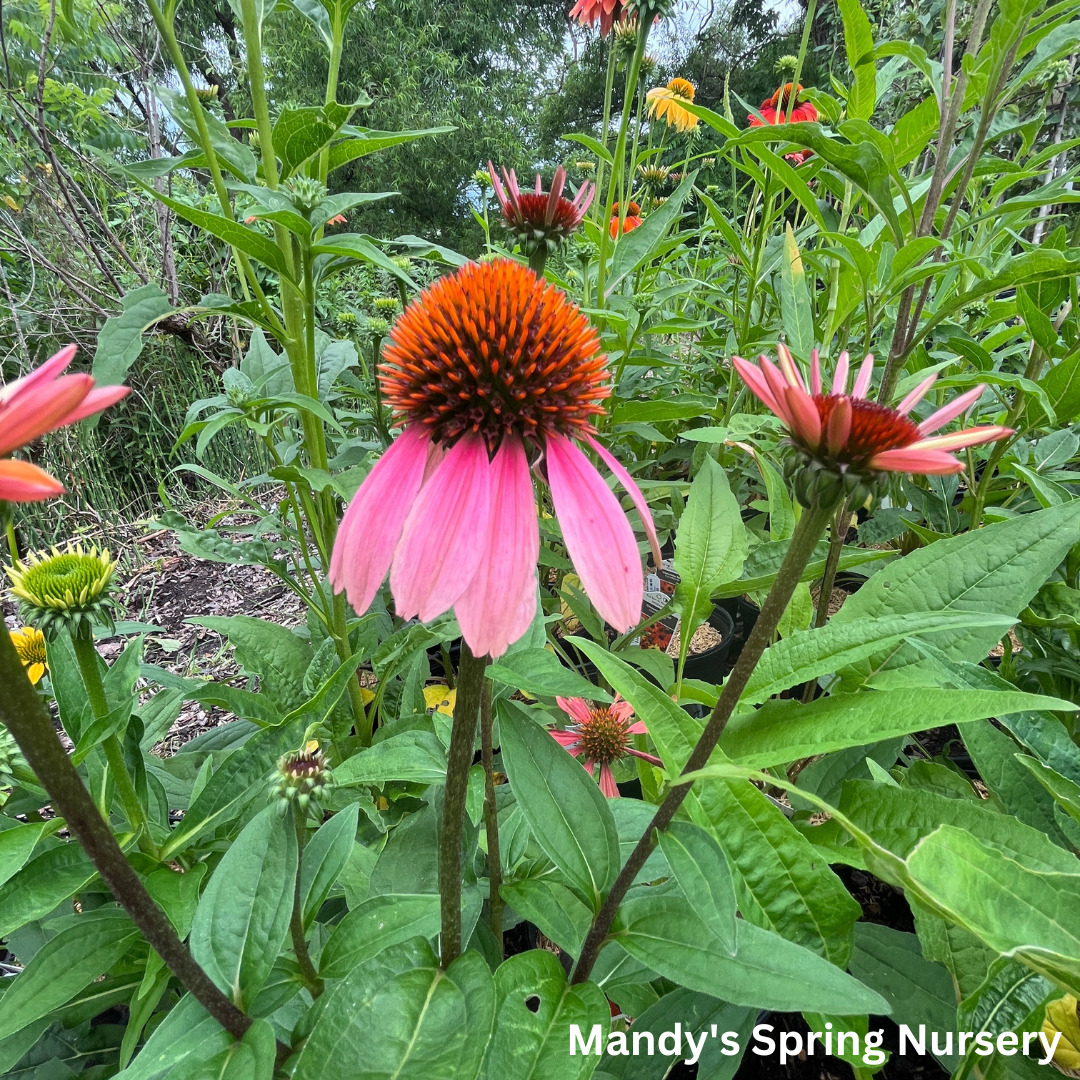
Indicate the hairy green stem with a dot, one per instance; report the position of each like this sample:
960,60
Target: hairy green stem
87,657
491,819
24,715
808,532
470,687
312,979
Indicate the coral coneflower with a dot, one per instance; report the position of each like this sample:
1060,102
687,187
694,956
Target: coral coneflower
40,402
29,643
851,440
600,735
490,370
605,12
668,103
538,219
632,220
773,108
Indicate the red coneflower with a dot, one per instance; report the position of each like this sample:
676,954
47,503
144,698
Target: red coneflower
848,435
490,369
536,218
632,220
600,734
605,12
772,110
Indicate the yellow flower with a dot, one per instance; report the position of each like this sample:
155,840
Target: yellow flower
10,203
30,645
667,103
1061,1016
440,698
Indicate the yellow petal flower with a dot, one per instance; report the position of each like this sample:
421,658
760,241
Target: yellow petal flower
440,698
29,643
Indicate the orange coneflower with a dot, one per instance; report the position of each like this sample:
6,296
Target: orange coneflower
632,220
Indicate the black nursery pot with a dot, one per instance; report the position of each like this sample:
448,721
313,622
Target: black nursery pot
741,611
711,665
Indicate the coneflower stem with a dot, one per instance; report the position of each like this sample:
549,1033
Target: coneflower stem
808,532
538,259
491,819
470,688
23,714
312,979
86,655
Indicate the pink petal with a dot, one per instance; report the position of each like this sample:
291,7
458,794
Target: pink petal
644,757
22,482
951,411
779,388
598,536
101,397
620,708
633,491
41,407
789,367
504,204
444,538
638,728
588,764
862,380
607,782
569,740
839,427
574,707
806,421
839,382
929,462
500,602
372,525
815,373
54,366
916,396
960,439
752,376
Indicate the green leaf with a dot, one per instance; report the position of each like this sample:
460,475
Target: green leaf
710,544
658,411
892,962
782,883
638,246
277,655
537,671
44,882
563,805
809,654
1030,916
553,909
325,857
595,145
187,1036
702,872
859,44
177,894
912,132
1062,385
378,923
1063,791
534,1044
1009,995
994,570
120,340
16,846
1038,322
781,731
797,313
400,1015
244,912
64,965
362,141
766,972
358,248
299,134
416,756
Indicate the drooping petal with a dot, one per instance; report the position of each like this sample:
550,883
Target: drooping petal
958,440
931,462
952,410
779,388
597,534
607,782
645,757
805,419
815,372
637,728
916,395
568,740
372,524
29,414
839,426
500,602
789,367
101,397
862,380
22,482
633,491
575,707
55,366
751,375
445,536
840,375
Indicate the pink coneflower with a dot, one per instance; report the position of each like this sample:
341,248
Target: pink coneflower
847,432
605,12
538,218
38,403
491,371
600,734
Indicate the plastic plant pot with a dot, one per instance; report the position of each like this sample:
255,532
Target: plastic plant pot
710,666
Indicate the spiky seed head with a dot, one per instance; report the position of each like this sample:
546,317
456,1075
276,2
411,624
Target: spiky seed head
64,587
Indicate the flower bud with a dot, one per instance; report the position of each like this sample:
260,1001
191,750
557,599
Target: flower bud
303,776
64,588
